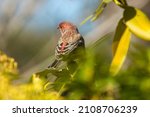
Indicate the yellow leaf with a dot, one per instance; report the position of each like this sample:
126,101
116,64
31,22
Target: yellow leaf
121,3
120,47
138,22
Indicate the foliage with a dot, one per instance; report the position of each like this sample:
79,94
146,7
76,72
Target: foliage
90,81
9,89
129,24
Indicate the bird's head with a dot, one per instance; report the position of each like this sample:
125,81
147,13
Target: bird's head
66,26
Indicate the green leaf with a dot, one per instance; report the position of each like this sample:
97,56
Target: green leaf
97,12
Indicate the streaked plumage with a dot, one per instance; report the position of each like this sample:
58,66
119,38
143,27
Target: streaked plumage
69,44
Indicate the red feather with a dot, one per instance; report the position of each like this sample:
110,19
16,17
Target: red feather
63,46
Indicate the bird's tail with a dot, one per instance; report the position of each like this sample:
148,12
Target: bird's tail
54,64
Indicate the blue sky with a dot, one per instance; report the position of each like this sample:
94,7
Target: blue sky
53,12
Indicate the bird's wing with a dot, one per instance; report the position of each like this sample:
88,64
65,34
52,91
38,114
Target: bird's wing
65,48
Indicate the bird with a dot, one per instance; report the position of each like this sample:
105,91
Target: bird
70,46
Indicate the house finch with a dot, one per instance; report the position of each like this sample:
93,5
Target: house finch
70,45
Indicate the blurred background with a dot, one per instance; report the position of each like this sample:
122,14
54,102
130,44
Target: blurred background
28,28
